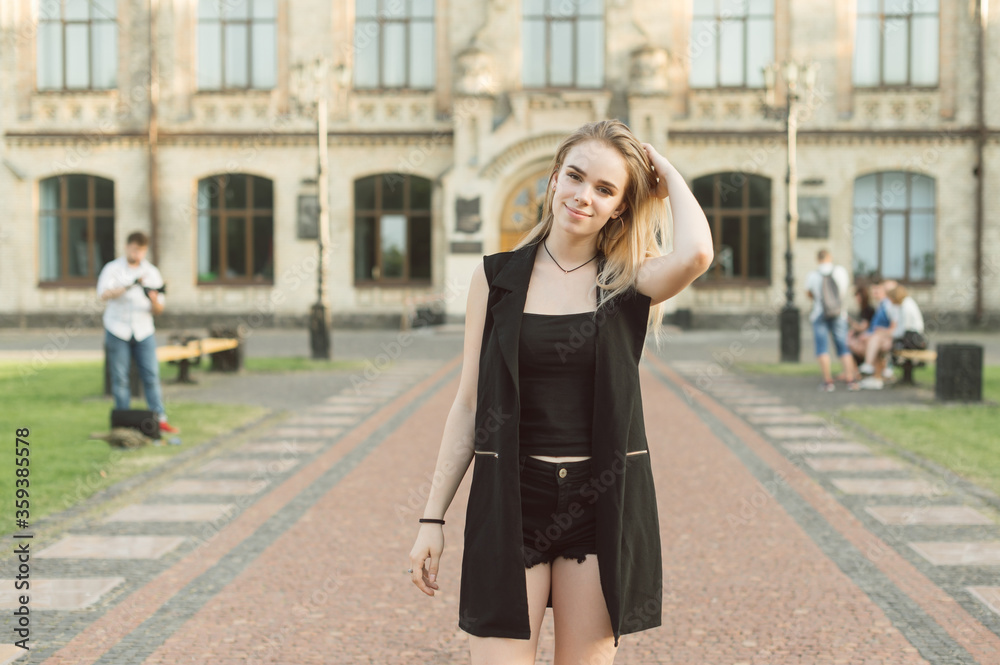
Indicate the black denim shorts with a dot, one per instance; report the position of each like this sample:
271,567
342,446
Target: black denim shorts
558,506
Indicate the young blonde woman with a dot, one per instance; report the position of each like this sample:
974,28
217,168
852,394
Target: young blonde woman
562,510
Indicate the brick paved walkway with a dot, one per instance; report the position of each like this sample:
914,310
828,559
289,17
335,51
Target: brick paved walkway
784,541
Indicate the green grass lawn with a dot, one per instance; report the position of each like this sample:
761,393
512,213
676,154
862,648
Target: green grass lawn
61,405
962,437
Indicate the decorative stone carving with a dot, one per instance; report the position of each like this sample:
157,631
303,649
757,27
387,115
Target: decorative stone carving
648,73
475,75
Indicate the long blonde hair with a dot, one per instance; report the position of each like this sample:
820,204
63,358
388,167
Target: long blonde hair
625,244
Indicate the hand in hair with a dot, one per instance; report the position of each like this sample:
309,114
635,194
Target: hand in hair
660,166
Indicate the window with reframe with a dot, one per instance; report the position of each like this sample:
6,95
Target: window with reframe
562,43
77,45
235,229
738,207
237,47
76,221
893,233
896,43
392,229
394,44
731,41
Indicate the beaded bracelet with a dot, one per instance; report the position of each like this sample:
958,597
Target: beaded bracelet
431,520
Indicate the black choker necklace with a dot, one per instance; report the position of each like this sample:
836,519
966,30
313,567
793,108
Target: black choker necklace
560,267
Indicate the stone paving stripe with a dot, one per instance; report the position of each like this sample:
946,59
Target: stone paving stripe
131,630
840,463
307,432
793,432
220,486
284,447
775,410
172,512
320,420
232,465
988,595
784,419
341,408
818,447
110,547
959,554
938,627
74,593
350,399
936,515
894,486
753,400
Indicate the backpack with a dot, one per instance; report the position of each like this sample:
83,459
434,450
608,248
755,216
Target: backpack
830,297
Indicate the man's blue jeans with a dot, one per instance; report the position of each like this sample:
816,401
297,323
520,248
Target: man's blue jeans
120,354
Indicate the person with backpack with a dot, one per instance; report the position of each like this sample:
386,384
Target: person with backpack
827,286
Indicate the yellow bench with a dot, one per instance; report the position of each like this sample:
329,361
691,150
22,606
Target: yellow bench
910,358
185,355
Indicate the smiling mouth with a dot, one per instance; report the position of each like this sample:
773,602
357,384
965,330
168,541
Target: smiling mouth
577,213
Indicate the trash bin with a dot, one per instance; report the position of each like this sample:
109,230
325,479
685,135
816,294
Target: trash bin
231,360
959,372
682,319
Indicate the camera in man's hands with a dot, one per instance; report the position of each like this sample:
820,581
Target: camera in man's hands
147,289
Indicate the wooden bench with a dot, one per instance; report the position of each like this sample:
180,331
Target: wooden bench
190,353
910,358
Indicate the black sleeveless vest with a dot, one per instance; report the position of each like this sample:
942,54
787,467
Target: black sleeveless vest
493,598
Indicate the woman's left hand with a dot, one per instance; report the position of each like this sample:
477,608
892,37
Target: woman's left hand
660,166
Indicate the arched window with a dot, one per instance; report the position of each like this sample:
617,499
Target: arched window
394,44
76,220
392,229
738,207
523,209
77,45
235,229
237,44
562,44
893,229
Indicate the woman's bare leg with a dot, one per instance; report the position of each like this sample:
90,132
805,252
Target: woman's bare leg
504,650
582,625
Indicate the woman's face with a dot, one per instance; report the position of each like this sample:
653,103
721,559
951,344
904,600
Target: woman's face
592,181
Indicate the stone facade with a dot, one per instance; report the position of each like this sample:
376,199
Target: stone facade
478,133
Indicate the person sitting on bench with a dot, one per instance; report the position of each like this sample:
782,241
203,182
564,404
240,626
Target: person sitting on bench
879,341
909,330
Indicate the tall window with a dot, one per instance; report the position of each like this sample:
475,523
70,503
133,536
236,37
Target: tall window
77,45
392,229
394,44
562,43
236,44
896,43
76,221
738,207
893,230
731,40
235,229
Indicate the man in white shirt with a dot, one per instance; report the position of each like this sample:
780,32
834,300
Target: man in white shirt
826,297
128,284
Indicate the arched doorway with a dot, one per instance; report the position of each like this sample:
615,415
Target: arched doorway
523,208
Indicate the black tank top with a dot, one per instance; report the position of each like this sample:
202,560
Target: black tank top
555,365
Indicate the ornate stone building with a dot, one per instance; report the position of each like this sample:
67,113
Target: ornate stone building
193,120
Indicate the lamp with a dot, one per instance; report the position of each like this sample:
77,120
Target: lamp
800,79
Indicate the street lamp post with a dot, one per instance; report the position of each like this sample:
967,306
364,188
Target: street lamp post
309,80
799,82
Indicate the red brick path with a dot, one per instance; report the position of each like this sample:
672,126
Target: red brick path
332,588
